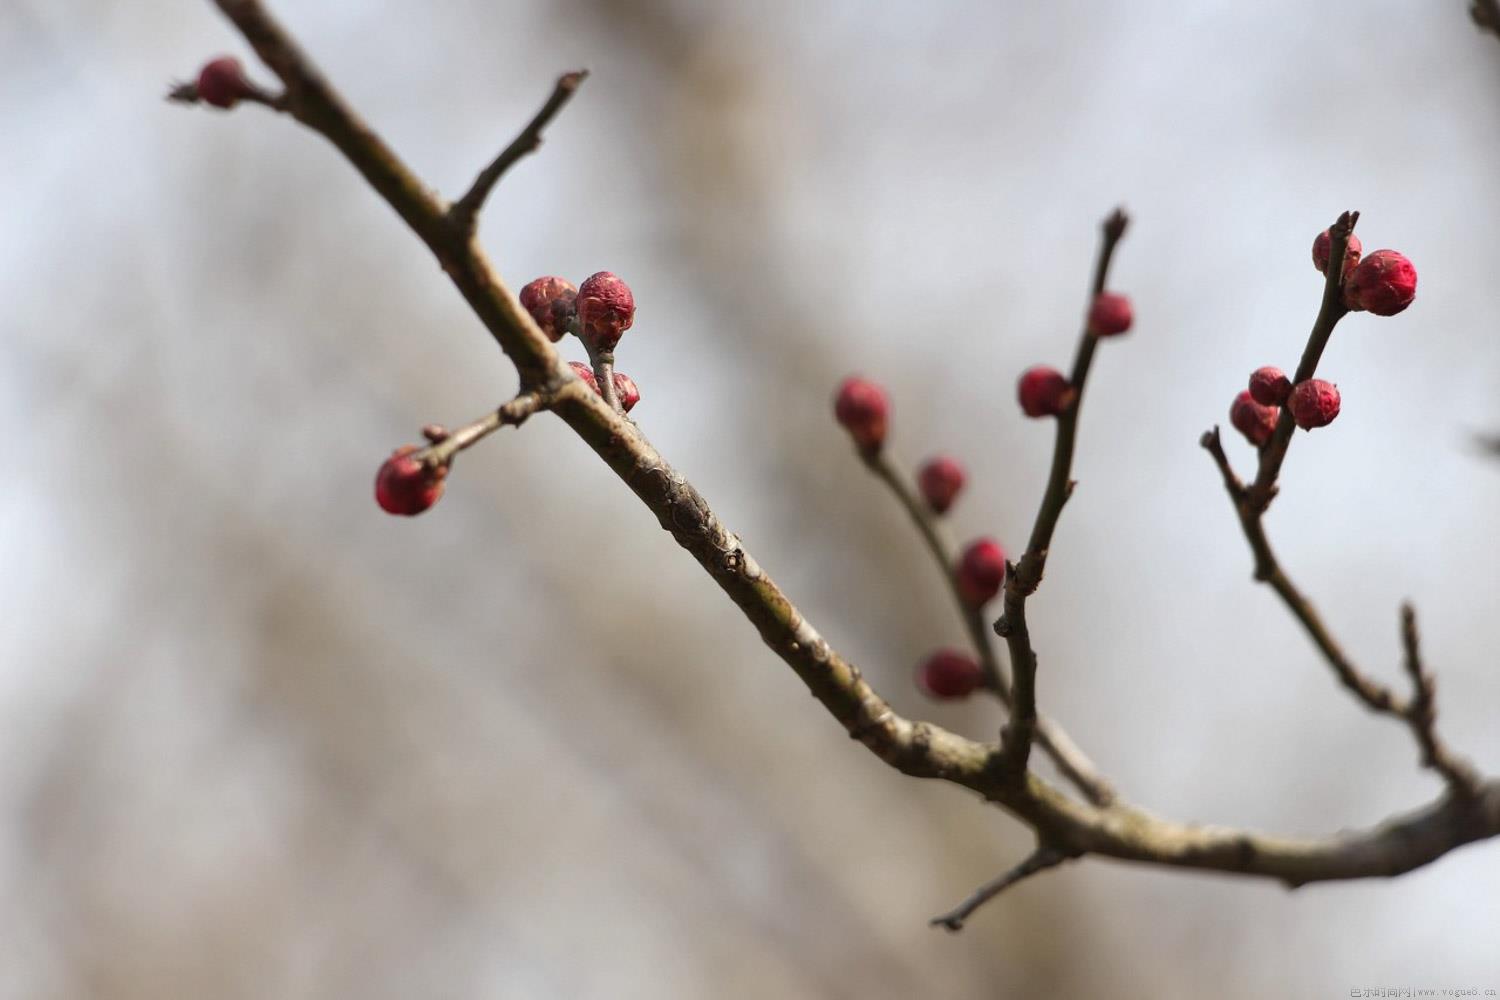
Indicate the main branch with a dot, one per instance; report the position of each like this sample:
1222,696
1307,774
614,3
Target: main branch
920,749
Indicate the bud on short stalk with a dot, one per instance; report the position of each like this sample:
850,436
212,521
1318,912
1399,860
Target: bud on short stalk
606,309
405,485
862,408
981,571
940,480
1043,392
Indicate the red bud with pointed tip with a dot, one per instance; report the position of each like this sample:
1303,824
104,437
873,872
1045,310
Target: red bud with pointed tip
948,675
940,479
405,485
981,571
628,392
862,408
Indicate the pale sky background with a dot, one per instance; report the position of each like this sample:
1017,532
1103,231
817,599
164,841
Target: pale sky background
262,740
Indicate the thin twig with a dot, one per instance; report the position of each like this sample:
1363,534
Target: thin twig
1070,760
1421,714
464,211
1373,694
603,363
1038,860
511,414
1026,576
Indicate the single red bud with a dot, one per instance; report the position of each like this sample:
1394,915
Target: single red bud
586,373
1254,420
948,674
1384,283
550,301
940,479
981,571
222,83
1324,243
1111,314
1314,403
606,308
1044,392
861,407
627,391
1269,386
405,485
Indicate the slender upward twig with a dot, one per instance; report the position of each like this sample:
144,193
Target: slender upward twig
1330,311
916,748
1421,713
1069,758
466,208
1026,576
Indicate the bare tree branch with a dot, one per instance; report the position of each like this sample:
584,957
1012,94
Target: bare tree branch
1068,826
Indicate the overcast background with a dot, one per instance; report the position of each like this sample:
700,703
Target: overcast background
261,740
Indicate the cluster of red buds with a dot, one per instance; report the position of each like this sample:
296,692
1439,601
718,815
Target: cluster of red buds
598,312
1384,283
1043,391
863,408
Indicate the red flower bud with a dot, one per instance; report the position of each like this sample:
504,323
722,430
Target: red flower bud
586,373
981,571
1111,314
1314,403
550,302
222,83
940,481
1043,392
1269,386
1324,244
1254,420
861,407
606,308
627,391
1384,283
405,485
949,674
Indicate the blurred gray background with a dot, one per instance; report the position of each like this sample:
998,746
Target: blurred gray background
262,740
